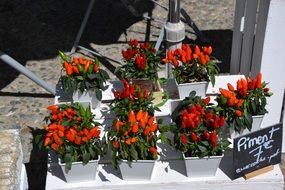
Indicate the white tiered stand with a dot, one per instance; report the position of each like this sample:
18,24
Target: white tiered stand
169,172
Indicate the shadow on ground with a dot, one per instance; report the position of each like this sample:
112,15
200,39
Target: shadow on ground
38,29
37,167
221,41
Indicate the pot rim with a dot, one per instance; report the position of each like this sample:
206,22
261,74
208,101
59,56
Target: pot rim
137,161
79,162
258,116
194,83
206,157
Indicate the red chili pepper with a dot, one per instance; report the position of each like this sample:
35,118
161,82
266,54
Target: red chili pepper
206,134
194,136
153,150
184,139
116,144
258,80
206,100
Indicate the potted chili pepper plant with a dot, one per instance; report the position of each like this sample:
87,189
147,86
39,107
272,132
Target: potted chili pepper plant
132,97
84,79
197,135
193,67
141,64
133,143
75,138
244,106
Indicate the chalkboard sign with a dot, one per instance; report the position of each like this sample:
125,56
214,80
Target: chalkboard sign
257,150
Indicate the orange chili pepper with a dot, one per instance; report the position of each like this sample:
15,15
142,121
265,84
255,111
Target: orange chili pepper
202,59
53,109
75,60
54,146
153,127
84,139
128,142
133,139
207,58
47,141
209,50
230,87
132,117
153,150
197,50
118,124
238,113
205,49
195,56
226,93
139,115
77,140
56,139
135,128
60,133
75,69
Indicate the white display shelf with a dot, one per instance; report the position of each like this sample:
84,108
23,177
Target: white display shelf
170,175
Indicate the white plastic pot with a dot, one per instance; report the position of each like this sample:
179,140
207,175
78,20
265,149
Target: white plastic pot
202,167
80,172
136,170
185,88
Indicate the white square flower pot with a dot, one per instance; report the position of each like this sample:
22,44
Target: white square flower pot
256,125
136,170
185,89
86,97
202,167
80,172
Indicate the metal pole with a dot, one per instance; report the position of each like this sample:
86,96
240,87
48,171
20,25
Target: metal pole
82,27
174,30
16,65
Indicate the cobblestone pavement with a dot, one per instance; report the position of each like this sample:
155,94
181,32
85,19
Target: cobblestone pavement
10,156
33,31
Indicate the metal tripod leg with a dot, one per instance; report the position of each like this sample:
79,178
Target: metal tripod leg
83,25
16,65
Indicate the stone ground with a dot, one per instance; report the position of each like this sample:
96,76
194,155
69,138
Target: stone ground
32,32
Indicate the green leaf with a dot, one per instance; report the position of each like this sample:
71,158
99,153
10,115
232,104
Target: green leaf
253,107
79,78
92,76
98,94
62,55
67,158
65,122
202,148
80,68
134,153
105,74
81,111
90,68
213,79
192,94
85,158
38,138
